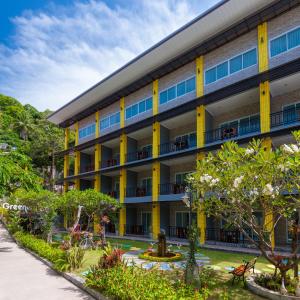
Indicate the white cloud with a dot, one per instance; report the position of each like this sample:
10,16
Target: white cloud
58,53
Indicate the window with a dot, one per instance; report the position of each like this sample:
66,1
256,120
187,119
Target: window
87,131
182,218
285,42
138,108
181,177
180,89
189,138
110,121
231,66
291,113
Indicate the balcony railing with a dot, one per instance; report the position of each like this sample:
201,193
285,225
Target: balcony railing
138,191
171,188
110,162
87,168
285,118
221,134
136,230
176,146
139,155
233,236
177,232
113,194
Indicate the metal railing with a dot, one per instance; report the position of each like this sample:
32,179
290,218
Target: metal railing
87,168
177,232
171,188
138,191
139,155
110,162
136,230
286,117
221,134
175,146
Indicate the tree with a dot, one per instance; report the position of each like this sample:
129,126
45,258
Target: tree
235,182
24,124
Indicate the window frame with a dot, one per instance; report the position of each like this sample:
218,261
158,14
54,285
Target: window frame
138,107
108,117
86,130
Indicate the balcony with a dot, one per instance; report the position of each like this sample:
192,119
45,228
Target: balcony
138,191
107,163
171,188
285,118
87,168
176,146
227,133
139,155
136,230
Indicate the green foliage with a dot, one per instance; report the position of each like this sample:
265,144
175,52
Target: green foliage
75,257
40,247
110,257
123,282
175,257
13,220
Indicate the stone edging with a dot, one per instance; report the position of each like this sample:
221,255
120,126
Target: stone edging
261,291
76,280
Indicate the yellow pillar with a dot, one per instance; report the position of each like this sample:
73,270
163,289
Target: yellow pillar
77,169
97,157
123,148
155,198
65,220
122,112
199,76
200,126
76,133
122,214
97,183
66,171
263,56
264,92
155,97
155,139
67,136
97,124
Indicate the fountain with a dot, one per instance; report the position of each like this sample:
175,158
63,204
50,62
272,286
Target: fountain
163,252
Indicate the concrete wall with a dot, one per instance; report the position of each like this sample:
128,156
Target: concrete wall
135,97
173,78
242,44
181,168
83,123
285,22
107,111
279,101
181,130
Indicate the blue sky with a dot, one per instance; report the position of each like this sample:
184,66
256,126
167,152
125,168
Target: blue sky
52,50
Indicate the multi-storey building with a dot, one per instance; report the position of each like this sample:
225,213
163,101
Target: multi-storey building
233,73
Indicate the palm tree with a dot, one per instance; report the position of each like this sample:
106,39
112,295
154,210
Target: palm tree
24,124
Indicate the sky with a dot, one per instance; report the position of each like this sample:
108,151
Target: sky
53,50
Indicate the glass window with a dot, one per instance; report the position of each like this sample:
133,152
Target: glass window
192,140
222,70
104,123
149,103
171,93
112,120
278,45
163,97
180,89
294,38
210,76
118,117
236,64
128,112
190,84
249,58
134,110
142,106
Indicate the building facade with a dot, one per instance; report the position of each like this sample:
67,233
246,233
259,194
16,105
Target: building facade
233,73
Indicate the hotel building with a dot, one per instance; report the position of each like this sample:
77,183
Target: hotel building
233,73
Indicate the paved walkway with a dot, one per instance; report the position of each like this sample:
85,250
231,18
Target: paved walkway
23,277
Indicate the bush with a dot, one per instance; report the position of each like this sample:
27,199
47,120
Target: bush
40,247
110,258
175,257
75,257
122,282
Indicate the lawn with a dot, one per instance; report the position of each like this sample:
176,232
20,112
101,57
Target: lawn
221,286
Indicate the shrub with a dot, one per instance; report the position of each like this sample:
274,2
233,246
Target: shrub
110,258
40,247
75,257
122,282
148,256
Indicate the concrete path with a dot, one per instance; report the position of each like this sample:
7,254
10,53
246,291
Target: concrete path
23,277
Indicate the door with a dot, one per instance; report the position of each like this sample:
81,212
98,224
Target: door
146,221
147,185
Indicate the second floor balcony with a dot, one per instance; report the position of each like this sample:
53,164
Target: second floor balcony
172,188
141,191
110,162
286,117
139,155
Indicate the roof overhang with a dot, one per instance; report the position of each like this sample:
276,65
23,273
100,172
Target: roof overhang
221,16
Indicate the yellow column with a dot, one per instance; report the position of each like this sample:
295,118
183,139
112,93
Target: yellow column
66,158
200,126
199,76
155,97
76,133
97,124
155,198
155,139
122,112
65,220
67,136
123,148
122,214
264,92
263,56
97,183
97,157
77,169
